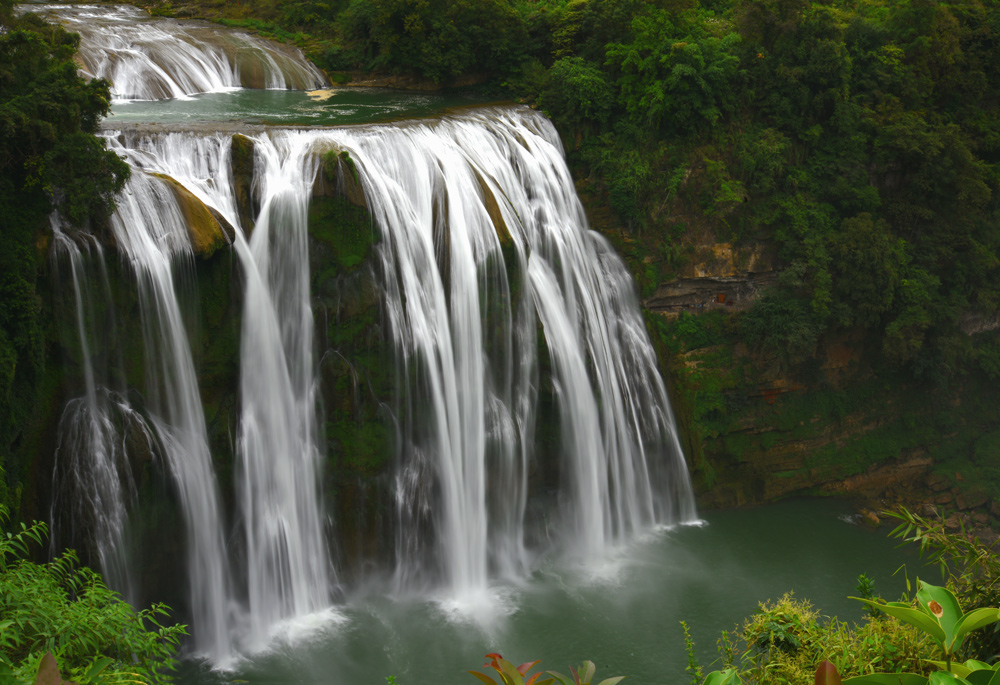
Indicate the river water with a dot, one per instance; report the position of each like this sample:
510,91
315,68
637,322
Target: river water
621,611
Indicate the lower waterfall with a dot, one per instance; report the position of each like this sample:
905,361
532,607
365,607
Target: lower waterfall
483,259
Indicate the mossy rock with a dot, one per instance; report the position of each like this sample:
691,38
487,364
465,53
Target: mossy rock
346,232
340,178
242,167
493,209
207,229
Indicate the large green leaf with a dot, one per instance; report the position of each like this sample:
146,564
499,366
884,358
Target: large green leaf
973,620
907,614
510,673
887,679
945,678
726,677
612,681
984,676
941,605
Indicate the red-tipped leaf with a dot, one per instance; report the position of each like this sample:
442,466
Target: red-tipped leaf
527,666
483,677
827,674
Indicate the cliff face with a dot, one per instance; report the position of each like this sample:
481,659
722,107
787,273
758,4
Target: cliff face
758,429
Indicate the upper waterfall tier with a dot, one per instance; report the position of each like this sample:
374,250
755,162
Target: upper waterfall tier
148,58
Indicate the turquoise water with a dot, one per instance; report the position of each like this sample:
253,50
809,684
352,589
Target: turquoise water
287,108
621,612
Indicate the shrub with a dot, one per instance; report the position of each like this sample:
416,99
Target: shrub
66,609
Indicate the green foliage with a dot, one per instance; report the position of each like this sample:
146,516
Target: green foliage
49,159
65,609
939,614
781,321
676,74
439,40
868,266
866,588
693,667
576,93
784,641
972,570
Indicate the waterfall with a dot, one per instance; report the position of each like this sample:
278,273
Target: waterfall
150,230
92,482
484,255
278,455
467,205
287,568
146,58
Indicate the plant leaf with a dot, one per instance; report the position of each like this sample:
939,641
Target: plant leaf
526,666
983,676
887,679
958,669
726,677
587,670
973,620
914,617
948,608
827,674
483,677
98,666
945,678
612,681
511,675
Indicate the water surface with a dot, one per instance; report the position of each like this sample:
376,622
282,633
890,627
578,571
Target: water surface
622,612
332,107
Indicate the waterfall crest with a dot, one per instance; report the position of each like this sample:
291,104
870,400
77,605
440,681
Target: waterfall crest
147,58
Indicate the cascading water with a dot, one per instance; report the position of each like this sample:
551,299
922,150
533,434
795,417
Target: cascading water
92,484
466,205
484,252
277,448
287,568
150,230
149,59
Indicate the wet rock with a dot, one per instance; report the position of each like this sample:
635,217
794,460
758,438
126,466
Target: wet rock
204,226
971,499
242,161
937,482
869,518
